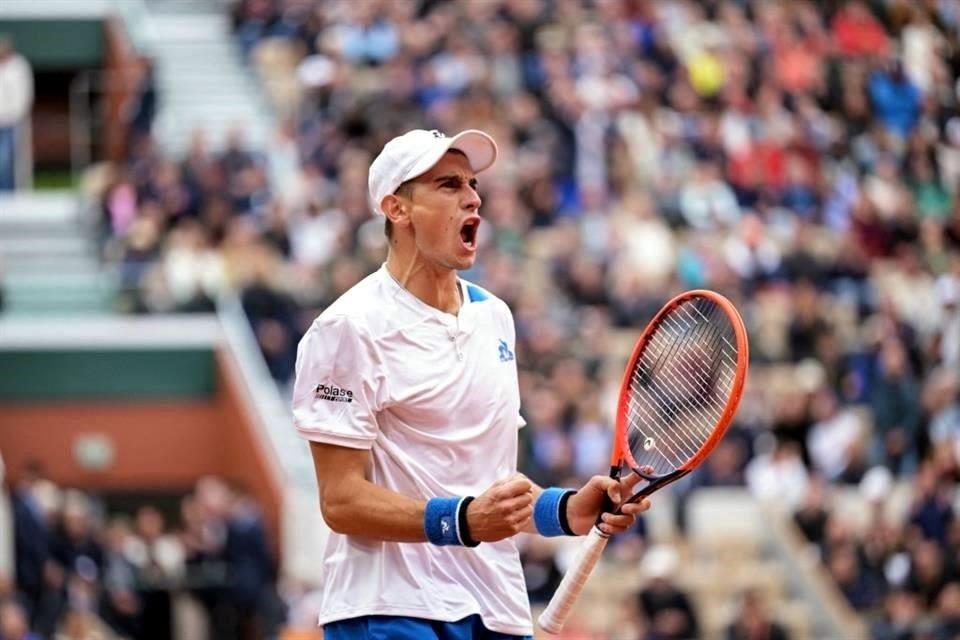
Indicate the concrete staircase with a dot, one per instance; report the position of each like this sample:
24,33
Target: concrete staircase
201,79
49,258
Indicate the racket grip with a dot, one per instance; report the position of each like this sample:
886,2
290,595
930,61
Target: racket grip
555,615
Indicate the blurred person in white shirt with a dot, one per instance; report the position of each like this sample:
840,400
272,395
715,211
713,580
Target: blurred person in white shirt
16,99
706,201
778,474
836,440
645,243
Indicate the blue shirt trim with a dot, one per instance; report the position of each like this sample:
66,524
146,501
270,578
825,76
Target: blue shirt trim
476,294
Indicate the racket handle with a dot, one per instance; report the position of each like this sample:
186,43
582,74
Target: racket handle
555,615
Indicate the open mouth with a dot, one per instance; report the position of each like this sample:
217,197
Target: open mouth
468,233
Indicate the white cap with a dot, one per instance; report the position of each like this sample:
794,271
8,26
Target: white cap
415,152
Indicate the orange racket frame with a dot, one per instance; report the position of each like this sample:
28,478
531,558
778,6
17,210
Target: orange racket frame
621,451
554,616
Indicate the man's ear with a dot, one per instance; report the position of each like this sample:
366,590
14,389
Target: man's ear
396,210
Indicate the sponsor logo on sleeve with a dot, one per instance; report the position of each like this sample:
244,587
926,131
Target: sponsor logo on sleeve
333,393
505,354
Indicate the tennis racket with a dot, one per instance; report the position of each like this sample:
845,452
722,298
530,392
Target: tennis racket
680,391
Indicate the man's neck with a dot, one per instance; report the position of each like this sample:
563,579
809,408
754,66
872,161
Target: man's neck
434,286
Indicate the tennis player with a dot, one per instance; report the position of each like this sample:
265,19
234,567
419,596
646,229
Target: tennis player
406,388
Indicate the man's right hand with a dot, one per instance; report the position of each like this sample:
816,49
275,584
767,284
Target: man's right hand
502,510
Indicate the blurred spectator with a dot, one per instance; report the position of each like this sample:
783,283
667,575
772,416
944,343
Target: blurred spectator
811,515
122,605
948,611
16,87
142,110
861,589
666,608
75,546
857,32
707,202
779,475
896,100
13,622
39,578
250,569
927,572
808,324
932,508
901,615
896,409
753,621
158,560
837,440
105,575
942,406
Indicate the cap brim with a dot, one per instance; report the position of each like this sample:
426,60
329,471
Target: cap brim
480,149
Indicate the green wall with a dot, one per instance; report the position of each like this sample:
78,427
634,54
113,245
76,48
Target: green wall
63,44
121,374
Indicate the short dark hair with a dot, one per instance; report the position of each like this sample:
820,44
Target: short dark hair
405,189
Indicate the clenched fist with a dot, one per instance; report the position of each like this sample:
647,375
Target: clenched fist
502,510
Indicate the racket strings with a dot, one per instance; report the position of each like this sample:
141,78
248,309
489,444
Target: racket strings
716,359
676,390
670,402
707,381
679,385
681,325
659,353
730,353
651,409
673,390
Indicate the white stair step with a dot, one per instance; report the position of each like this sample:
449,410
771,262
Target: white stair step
44,245
211,99
217,60
29,208
201,74
45,264
186,28
213,124
211,49
76,281
174,67
214,136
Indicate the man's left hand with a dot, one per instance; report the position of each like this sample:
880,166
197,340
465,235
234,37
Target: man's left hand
585,504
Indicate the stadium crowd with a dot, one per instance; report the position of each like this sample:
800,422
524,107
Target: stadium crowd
800,157
86,572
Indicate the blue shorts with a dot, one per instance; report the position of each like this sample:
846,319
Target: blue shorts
403,628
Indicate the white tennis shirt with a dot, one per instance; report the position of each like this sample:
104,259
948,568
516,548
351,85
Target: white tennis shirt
435,399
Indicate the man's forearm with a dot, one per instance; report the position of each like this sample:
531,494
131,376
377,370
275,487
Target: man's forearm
370,511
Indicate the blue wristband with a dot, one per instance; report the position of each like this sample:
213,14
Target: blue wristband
444,521
550,512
